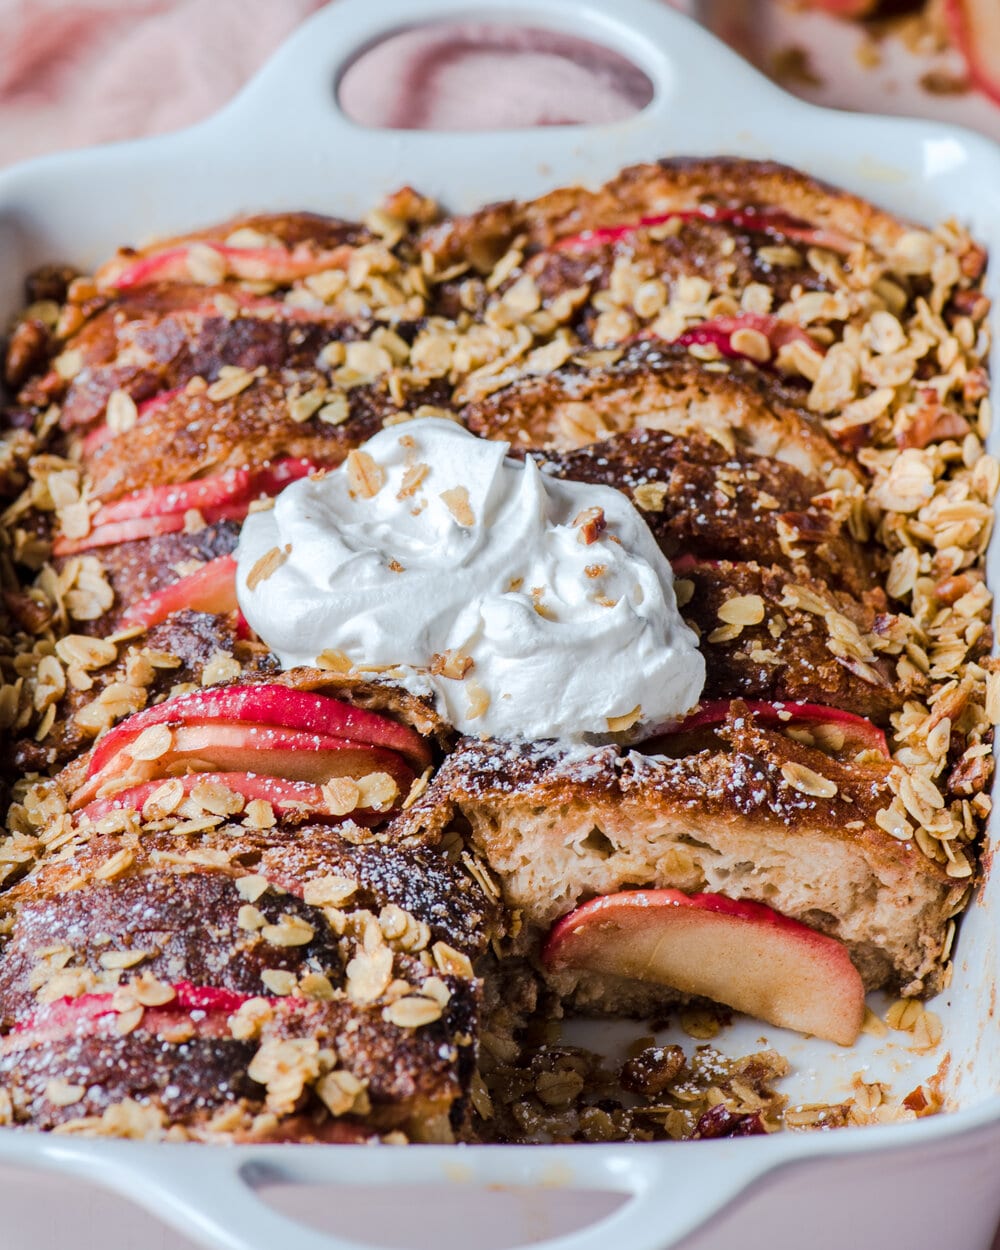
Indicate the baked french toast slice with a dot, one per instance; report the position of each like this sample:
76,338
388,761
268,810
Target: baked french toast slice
758,817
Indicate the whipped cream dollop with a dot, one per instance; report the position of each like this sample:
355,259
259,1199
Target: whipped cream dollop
529,607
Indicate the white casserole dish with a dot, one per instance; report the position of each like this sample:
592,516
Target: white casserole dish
284,144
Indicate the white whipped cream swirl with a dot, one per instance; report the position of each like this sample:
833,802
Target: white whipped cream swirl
439,551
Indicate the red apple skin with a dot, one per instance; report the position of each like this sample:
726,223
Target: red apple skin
145,527
264,264
233,486
159,267
92,1013
121,532
739,953
205,492
285,797
864,735
267,703
231,746
975,28
719,332
844,8
767,220
162,509
212,588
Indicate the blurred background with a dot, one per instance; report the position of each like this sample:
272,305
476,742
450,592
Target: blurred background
74,73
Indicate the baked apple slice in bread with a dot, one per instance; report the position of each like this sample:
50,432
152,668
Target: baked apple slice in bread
742,954
757,818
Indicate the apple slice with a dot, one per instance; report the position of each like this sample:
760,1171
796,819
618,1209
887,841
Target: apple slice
142,528
207,1007
748,217
975,28
285,797
180,497
95,439
720,332
226,746
162,509
859,733
741,954
249,264
233,486
267,703
212,588
120,532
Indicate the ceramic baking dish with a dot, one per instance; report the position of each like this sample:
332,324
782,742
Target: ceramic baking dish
284,144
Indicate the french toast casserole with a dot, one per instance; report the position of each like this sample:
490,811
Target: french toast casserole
422,630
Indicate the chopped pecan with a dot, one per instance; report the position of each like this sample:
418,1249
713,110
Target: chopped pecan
971,776
719,1121
652,1070
27,351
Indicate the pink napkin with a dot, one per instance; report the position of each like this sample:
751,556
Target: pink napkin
76,73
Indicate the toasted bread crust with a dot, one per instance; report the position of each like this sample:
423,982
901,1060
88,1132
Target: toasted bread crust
315,229
189,436
154,912
723,255
158,342
714,504
675,183
812,645
656,386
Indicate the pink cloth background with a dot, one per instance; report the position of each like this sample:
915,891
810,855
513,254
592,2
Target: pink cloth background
77,73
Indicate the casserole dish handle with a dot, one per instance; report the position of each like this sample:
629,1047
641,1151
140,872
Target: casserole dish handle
294,98
213,1195
289,117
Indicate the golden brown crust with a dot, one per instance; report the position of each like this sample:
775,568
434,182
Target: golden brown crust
656,386
802,640
162,337
152,902
191,435
701,500
726,257
145,909
672,184
769,819
288,229
746,780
